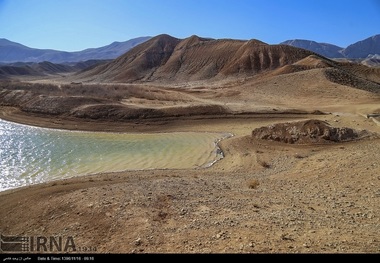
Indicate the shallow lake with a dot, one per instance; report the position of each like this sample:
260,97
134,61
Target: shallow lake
31,155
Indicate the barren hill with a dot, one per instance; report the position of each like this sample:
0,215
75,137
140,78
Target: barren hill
43,69
172,60
167,77
167,58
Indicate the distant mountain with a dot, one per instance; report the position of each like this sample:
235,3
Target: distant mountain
14,52
11,52
372,61
45,68
361,49
111,51
324,49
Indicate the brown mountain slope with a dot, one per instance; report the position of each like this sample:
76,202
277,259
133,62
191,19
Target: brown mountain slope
201,77
140,61
363,71
168,58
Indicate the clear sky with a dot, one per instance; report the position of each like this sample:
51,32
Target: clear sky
73,25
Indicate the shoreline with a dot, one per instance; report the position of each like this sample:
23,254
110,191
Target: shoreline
260,198
219,155
191,123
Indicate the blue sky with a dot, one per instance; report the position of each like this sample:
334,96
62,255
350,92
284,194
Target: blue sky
78,24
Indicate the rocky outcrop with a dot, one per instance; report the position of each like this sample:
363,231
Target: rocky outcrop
306,132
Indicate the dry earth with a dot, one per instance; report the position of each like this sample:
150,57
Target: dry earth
263,197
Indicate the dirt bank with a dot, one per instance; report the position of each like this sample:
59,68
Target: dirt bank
263,197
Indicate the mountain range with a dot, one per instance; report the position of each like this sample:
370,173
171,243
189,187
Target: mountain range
366,48
195,58
11,52
167,59
167,77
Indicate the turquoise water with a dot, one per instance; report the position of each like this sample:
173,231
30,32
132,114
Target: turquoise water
31,155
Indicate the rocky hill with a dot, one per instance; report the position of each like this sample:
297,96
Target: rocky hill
171,59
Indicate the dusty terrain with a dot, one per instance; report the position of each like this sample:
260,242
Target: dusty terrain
264,196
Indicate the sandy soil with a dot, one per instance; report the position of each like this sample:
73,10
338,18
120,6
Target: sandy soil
263,197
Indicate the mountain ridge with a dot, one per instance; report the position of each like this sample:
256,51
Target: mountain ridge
191,59
11,52
359,50
324,49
